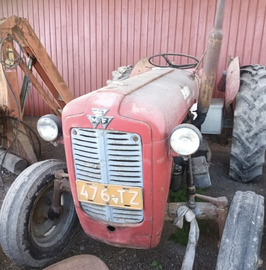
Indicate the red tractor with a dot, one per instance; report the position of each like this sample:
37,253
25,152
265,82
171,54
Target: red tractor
125,144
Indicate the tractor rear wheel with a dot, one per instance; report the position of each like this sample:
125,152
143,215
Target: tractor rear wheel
249,133
242,236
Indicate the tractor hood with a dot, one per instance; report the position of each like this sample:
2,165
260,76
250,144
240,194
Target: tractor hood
160,99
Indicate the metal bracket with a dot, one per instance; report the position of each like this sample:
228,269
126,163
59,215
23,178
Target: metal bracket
213,209
61,184
221,204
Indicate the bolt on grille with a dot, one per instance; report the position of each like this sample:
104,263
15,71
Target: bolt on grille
108,157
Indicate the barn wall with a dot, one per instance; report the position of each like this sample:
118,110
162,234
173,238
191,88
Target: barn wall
87,39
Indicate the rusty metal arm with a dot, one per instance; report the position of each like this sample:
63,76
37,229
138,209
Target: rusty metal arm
59,94
53,105
213,209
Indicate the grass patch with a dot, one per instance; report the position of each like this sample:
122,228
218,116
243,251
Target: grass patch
181,195
178,196
181,235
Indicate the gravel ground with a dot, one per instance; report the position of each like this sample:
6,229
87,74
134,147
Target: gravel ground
168,255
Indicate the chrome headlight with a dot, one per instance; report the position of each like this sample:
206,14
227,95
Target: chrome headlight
49,127
185,139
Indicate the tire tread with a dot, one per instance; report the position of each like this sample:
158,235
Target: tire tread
249,133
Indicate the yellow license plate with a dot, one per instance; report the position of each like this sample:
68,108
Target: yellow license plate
112,195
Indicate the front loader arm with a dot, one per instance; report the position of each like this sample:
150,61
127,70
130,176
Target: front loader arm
58,94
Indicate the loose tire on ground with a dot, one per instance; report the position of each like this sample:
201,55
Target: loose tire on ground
249,133
241,240
28,236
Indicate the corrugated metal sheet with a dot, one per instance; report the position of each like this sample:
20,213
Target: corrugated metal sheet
87,39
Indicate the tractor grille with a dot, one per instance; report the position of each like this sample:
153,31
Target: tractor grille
108,157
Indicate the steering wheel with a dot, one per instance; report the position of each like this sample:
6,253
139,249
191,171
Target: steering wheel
170,64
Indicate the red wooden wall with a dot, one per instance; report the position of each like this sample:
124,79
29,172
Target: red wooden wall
87,39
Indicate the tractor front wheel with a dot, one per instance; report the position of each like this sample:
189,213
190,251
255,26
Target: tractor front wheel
242,236
30,235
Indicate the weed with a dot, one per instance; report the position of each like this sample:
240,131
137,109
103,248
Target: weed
103,258
181,195
178,196
156,265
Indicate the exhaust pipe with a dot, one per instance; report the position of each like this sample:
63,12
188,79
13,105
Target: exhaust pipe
210,65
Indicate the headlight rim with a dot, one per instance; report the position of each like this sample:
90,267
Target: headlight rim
56,121
193,129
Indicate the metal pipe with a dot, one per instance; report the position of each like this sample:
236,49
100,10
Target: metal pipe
56,207
210,65
61,184
25,86
191,189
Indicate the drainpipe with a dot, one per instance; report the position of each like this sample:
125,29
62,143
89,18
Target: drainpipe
210,65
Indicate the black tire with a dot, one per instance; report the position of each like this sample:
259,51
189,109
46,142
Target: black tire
249,133
28,236
241,240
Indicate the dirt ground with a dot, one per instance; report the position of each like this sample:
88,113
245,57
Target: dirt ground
168,255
